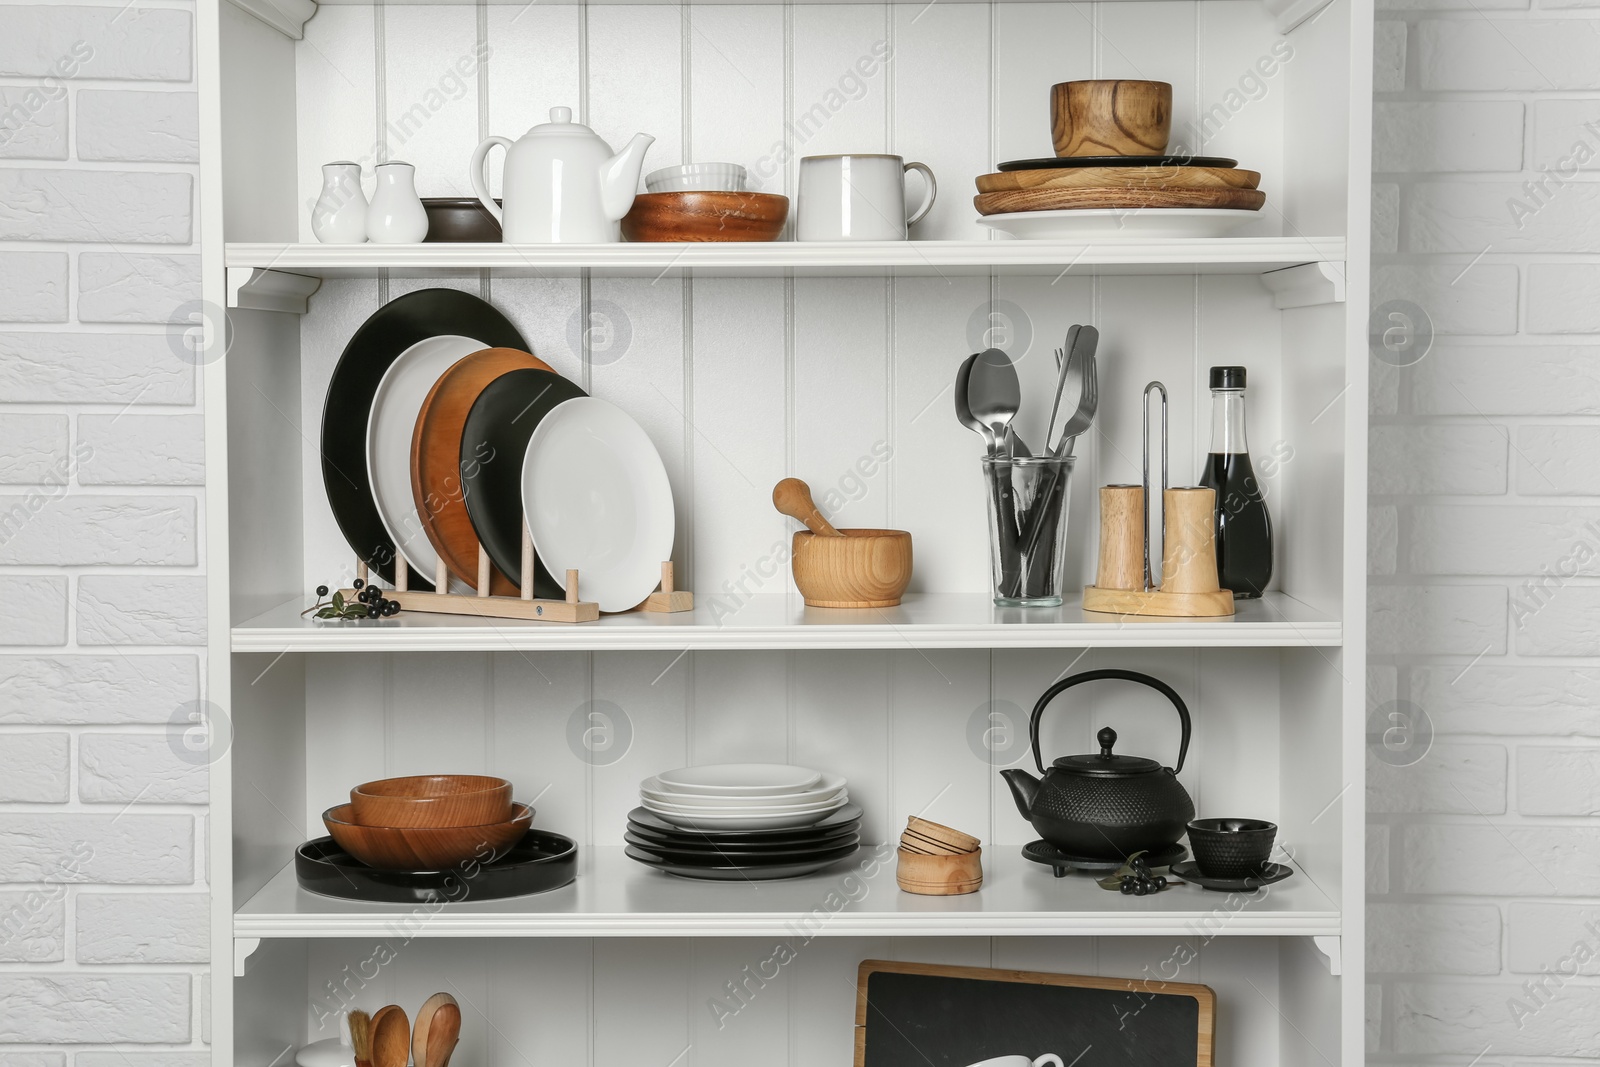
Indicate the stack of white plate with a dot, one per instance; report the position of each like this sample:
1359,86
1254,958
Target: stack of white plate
743,822
743,796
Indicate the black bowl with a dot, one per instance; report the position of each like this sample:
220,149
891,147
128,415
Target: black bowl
1231,848
459,219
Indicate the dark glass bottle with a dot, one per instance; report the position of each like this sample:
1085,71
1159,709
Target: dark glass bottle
1244,529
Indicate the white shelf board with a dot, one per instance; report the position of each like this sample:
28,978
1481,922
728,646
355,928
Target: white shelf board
615,896
1222,255
775,621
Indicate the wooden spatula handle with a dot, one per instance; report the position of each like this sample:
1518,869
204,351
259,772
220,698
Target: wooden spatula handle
792,497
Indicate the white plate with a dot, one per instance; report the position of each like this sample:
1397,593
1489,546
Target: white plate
830,786
744,822
395,407
747,779
597,500
838,800
1119,222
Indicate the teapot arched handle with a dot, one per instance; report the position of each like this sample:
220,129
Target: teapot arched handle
1110,672
480,177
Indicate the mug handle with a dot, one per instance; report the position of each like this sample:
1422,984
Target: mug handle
927,203
480,179
1048,1057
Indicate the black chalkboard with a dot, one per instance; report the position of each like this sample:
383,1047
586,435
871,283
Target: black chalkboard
918,1015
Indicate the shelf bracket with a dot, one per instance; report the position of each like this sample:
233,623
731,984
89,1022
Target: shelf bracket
1286,14
1329,946
243,949
288,17
1309,283
260,289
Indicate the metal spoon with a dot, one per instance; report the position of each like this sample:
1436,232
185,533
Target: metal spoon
994,394
963,409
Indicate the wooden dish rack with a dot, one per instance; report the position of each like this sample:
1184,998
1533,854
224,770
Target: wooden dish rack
526,606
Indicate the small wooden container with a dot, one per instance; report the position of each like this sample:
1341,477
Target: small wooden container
940,876
935,838
862,569
1110,117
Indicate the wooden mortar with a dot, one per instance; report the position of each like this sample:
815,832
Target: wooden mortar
862,569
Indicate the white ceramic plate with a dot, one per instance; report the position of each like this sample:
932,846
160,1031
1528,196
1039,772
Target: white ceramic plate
395,406
829,787
745,822
597,499
746,779
838,800
1112,222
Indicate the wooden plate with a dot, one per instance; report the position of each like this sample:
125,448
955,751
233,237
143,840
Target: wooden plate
436,460
1070,199
1120,178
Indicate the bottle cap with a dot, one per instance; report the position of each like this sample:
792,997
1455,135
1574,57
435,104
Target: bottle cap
1227,377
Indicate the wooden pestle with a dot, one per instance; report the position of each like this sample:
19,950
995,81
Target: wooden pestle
792,497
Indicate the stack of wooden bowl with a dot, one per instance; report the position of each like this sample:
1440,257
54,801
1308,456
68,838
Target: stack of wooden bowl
429,822
1111,144
937,861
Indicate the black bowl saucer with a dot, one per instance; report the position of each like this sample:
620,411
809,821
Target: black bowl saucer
1060,162
541,861
727,873
1272,872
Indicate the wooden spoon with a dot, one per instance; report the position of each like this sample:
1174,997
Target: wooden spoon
792,497
419,1033
443,1030
391,1037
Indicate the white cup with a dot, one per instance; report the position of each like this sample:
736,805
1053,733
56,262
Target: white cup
858,198
1020,1061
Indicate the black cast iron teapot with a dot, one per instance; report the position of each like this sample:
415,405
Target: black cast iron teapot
1102,805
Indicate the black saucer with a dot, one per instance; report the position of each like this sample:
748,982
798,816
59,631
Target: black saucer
1273,872
1046,853
1059,162
540,861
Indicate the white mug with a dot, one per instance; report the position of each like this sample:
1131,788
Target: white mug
858,198
1020,1061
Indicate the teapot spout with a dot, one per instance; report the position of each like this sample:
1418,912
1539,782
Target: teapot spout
619,176
1024,788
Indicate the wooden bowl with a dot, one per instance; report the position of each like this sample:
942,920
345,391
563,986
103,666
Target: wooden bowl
935,837
432,800
425,848
862,569
705,216
1110,118
940,876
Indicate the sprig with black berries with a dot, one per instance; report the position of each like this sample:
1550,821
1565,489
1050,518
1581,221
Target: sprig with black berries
369,603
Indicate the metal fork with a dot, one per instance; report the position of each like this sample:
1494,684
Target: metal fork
1088,403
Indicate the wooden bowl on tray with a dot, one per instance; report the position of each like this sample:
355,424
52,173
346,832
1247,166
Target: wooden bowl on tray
1110,117
862,569
705,216
425,848
437,800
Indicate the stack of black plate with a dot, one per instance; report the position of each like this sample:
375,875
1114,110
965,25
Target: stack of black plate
743,855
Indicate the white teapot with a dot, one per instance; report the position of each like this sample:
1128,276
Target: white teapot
563,184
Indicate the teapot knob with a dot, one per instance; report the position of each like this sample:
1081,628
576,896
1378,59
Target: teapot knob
1107,737
561,114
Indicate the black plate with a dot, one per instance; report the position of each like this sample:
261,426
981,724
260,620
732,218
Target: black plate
1274,872
701,842
739,874
741,856
1059,162
392,329
498,426
651,821
1046,853
541,861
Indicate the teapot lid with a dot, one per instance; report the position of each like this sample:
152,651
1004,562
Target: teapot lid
560,125
1105,764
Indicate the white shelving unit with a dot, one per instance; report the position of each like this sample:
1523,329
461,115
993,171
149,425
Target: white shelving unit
746,363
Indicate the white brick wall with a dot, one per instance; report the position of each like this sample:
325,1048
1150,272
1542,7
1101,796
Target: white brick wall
1484,535
103,910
